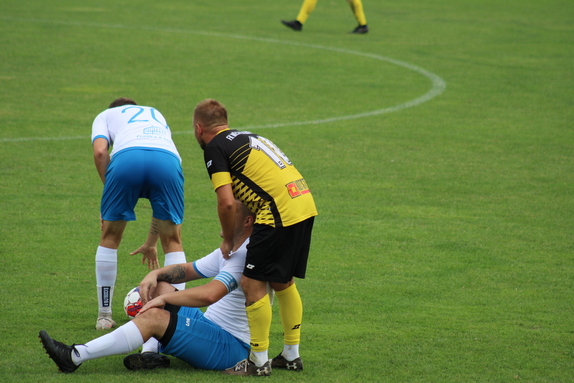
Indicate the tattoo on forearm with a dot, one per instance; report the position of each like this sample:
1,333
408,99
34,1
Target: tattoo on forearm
153,229
175,274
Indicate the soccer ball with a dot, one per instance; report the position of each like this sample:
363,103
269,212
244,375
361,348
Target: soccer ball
132,302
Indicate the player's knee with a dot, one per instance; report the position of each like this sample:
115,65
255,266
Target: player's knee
151,316
163,288
152,322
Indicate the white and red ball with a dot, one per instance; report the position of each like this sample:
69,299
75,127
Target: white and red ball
132,302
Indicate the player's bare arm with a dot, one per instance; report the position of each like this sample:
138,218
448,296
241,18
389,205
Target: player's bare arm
101,157
226,212
149,249
172,274
200,296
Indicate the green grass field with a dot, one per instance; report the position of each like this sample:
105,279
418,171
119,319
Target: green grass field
439,147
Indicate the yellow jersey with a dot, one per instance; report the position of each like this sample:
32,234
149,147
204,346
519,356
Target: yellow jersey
261,176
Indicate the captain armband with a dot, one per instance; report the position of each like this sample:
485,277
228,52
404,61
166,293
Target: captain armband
228,280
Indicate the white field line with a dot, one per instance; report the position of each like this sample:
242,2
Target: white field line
438,84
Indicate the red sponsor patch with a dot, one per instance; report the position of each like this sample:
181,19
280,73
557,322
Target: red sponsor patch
297,188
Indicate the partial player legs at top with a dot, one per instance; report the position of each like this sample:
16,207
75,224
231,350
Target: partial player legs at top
308,7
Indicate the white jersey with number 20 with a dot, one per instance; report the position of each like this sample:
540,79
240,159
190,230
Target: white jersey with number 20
133,126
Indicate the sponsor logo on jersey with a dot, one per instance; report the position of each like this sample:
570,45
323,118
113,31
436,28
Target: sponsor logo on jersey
250,266
297,188
209,163
154,131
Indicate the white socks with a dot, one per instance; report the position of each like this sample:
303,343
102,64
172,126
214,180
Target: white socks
290,352
123,340
174,258
106,271
152,345
259,358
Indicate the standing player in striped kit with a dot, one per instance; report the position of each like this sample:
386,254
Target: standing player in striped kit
252,169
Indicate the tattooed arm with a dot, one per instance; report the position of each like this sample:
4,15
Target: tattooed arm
171,274
175,274
199,296
149,249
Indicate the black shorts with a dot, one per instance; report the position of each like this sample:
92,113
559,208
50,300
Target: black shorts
278,254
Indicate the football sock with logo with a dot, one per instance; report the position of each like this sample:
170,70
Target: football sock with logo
174,258
125,339
306,9
291,312
357,8
259,317
106,271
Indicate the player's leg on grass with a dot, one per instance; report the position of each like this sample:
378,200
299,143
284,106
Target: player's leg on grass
127,338
166,183
291,312
152,345
107,269
306,9
259,316
171,243
357,9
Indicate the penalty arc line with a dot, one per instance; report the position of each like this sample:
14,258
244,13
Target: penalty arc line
438,84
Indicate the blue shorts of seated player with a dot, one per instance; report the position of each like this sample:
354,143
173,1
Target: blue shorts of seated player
201,343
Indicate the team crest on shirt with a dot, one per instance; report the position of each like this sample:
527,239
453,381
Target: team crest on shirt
297,188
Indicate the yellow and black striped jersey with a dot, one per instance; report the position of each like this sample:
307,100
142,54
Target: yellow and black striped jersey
261,176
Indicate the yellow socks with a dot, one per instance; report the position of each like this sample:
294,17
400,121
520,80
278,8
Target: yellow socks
357,8
291,311
259,317
306,9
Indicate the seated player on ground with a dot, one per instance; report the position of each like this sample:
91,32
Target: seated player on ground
174,319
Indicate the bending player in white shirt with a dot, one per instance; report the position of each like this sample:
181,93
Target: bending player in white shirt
173,317
135,158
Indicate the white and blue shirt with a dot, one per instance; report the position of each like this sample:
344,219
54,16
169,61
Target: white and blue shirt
133,126
229,311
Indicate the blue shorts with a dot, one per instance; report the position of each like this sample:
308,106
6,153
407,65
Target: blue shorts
200,342
137,173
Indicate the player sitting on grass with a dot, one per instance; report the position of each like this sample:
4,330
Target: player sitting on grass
216,340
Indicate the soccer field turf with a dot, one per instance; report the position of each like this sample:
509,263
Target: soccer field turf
439,148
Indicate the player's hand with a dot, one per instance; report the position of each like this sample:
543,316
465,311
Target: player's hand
225,248
147,288
149,256
158,302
